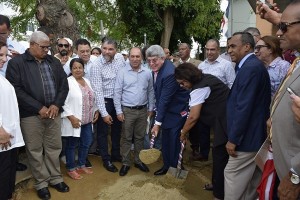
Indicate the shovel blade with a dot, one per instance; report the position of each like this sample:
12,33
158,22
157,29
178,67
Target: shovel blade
172,171
178,173
182,174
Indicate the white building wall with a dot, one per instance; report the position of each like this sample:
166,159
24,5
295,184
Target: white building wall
240,17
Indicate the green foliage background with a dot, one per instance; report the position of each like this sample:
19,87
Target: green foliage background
127,21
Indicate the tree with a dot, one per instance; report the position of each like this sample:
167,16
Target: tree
168,21
69,18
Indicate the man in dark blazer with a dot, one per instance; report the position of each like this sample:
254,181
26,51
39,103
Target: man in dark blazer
171,106
247,111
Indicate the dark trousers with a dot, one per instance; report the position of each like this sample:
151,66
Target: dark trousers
102,133
220,159
8,160
171,145
199,137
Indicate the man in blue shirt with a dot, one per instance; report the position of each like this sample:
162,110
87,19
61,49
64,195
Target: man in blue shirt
134,102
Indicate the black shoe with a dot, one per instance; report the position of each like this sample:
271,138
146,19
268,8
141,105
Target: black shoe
109,166
61,187
124,170
44,193
161,171
20,167
142,167
116,159
88,163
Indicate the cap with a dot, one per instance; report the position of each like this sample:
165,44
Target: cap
68,40
124,52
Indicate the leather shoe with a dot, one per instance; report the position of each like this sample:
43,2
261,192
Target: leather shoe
109,166
142,167
124,170
44,193
61,187
161,171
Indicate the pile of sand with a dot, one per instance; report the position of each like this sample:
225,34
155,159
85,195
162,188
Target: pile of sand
140,187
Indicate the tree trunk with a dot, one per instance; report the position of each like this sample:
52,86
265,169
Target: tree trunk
168,21
56,15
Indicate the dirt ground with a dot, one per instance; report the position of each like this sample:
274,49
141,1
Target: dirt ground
136,185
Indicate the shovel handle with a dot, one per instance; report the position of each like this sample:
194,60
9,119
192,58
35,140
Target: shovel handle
152,141
180,155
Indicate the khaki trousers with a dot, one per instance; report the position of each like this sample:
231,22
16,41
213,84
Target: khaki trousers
242,177
43,145
134,126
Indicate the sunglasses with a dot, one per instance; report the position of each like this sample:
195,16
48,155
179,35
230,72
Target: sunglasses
258,47
283,26
63,45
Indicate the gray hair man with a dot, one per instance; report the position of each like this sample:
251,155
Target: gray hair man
41,87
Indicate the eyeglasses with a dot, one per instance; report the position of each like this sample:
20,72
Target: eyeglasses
153,60
63,45
258,47
43,47
283,26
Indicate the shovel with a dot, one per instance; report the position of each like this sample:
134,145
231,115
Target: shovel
178,172
149,156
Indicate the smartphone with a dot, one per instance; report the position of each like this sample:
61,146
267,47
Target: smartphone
290,91
267,3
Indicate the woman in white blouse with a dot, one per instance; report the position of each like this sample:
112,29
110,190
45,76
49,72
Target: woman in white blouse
10,132
207,105
77,119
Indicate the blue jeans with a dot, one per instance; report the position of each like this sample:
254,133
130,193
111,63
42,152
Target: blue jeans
84,141
102,133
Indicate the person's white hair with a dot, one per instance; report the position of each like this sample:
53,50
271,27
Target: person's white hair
38,36
155,50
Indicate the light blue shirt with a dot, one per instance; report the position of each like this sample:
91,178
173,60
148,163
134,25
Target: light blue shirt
243,60
133,88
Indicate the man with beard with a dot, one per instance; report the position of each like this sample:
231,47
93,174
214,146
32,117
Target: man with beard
64,46
103,77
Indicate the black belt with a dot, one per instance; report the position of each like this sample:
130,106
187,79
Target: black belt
136,107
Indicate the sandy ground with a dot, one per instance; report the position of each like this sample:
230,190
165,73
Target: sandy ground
136,185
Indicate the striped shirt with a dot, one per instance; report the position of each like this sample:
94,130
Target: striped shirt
103,77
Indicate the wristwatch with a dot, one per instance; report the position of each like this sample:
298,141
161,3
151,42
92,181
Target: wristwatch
295,179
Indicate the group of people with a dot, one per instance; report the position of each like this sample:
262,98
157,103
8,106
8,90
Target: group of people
71,96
